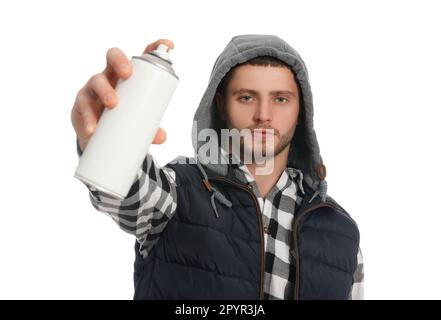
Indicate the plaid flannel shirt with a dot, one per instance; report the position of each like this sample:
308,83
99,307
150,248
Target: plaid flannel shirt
152,201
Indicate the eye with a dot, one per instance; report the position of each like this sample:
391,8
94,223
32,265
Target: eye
284,100
245,98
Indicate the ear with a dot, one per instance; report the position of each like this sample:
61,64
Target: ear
220,102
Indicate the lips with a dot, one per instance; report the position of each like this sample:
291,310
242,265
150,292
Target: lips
263,133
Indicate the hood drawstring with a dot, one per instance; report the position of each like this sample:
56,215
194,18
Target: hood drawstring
323,185
296,173
215,193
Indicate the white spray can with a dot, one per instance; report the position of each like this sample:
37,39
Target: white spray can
118,146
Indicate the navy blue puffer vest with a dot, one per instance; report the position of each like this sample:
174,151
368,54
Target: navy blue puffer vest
199,256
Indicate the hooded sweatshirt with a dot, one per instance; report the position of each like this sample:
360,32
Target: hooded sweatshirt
152,199
304,153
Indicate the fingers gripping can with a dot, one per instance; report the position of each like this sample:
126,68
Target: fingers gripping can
116,150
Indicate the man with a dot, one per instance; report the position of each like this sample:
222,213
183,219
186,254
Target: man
212,226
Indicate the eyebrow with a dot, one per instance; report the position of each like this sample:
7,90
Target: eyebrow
243,90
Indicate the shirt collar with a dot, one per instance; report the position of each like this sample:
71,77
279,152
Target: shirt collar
288,175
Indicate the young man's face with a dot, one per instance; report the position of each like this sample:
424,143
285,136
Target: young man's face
259,97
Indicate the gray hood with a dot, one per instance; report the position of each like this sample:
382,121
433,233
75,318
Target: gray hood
304,151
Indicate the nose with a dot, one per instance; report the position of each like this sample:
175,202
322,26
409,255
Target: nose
263,112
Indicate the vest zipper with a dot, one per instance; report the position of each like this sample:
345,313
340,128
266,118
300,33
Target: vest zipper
297,220
296,223
259,219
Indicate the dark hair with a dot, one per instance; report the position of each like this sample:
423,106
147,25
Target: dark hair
261,61
257,61
300,134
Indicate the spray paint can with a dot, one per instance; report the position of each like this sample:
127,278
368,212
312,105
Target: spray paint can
119,145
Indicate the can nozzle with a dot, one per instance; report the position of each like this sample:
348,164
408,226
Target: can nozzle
162,48
163,52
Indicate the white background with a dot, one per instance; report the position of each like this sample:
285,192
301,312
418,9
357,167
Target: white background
375,74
